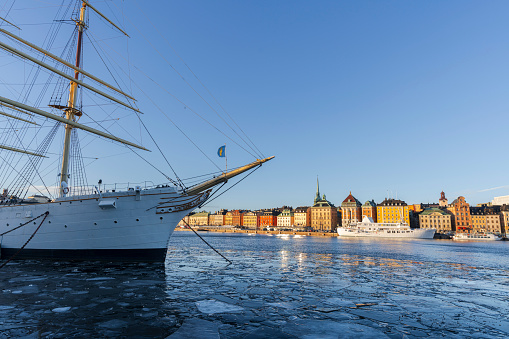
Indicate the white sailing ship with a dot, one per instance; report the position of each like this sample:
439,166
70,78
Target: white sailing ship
476,237
133,223
368,228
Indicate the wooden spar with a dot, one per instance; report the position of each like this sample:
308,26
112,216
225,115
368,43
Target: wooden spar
69,122
15,117
225,176
10,23
20,151
68,64
54,70
104,17
16,109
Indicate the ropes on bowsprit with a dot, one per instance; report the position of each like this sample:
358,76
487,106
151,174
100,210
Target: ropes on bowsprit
209,245
45,214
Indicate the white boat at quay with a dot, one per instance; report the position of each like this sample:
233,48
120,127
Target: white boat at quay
368,228
476,237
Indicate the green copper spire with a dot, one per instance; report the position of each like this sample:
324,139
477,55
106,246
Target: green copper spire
317,197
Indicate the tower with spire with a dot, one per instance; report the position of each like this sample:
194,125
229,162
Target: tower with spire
324,215
317,197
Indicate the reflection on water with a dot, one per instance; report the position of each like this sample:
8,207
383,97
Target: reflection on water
294,287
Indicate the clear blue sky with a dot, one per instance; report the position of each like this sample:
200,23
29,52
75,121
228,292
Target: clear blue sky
380,98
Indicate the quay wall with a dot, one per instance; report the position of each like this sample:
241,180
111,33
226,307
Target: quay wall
229,230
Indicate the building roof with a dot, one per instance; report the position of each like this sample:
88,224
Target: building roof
392,202
350,201
369,204
429,211
302,209
201,214
323,203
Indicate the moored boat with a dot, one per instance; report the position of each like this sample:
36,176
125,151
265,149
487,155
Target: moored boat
368,228
476,237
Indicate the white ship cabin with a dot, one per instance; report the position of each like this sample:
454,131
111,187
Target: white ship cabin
367,224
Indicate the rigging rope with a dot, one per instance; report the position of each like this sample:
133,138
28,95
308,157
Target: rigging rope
205,87
45,214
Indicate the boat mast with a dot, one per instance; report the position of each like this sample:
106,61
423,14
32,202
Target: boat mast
71,112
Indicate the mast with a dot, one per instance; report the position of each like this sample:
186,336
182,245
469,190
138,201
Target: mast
71,112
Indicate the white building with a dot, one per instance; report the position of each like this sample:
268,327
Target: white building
285,219
499,201
302,217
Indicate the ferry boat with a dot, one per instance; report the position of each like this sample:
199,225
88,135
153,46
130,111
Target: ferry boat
476,236
368,228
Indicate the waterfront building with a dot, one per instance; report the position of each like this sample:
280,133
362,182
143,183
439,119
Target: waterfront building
268,219
237,218
228,218
369,210
436,218
486,219
302,217
504,218
393,211
443,202
499,201
285,218
251,220
324,215
460,209
199,219
351,210
184,221
217,219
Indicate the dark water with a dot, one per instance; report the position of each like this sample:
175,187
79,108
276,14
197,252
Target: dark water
277,287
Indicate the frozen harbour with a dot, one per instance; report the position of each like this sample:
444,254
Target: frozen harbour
277,287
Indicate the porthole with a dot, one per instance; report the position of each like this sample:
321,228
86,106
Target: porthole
95,223
161,218
65,226
115,221
137,219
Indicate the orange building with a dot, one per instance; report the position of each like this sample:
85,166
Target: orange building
369,210
237,218
462,220
268,218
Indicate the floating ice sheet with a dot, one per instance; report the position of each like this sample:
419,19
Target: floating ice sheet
214,306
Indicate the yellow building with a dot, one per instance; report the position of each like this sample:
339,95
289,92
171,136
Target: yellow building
228,219
251,220
436,218
324,216
393,210
199,219
504,220
486,220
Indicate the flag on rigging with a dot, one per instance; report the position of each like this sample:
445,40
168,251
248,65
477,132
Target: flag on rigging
221,151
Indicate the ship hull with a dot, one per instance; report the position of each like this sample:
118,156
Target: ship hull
412,234
125,226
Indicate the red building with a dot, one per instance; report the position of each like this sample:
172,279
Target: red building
268,218
237,218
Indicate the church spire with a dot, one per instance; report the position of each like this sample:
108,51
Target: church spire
317,197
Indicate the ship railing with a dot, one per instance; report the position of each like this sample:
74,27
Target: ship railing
92,190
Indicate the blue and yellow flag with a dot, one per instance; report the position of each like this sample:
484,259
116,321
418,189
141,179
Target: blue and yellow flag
221,151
